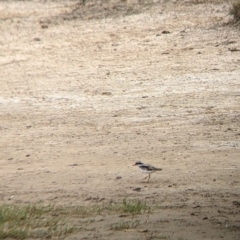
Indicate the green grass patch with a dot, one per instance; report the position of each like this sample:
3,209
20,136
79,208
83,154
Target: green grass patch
39,221
131,206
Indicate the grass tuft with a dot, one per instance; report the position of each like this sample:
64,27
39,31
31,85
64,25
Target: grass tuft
235,10
134,207
86,211
131,206
125,225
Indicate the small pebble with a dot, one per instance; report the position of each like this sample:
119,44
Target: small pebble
138,189
165,32
107,93
87,199
44,26
73,165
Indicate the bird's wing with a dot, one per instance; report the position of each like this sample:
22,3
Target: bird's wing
149,167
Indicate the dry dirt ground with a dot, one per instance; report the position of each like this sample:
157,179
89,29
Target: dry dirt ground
87,90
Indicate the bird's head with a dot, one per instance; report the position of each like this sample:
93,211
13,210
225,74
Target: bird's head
137,163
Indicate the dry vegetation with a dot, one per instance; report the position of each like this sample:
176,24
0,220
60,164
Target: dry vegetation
235,10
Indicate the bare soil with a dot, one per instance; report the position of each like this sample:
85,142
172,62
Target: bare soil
88,89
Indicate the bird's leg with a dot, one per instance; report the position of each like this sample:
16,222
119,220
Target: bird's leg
149,177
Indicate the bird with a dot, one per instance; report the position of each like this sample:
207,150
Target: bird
146,168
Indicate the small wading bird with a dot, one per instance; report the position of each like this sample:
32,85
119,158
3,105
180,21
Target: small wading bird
146,168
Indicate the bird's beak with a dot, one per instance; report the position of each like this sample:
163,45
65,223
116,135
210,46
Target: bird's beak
134,164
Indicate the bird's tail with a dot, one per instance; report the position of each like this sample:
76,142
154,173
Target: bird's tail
158,169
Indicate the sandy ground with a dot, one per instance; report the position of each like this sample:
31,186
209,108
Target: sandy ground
88,90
